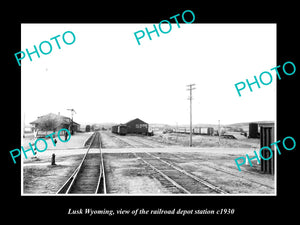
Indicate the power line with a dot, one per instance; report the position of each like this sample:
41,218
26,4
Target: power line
191,88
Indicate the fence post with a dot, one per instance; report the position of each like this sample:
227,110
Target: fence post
53,160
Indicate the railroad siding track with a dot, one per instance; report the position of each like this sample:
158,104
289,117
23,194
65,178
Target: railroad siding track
148,143
135,142
230,171
129,143
179,178
119,140
172,176
164,174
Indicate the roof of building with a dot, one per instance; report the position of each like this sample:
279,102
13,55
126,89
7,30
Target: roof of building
135,120
266,124
59,118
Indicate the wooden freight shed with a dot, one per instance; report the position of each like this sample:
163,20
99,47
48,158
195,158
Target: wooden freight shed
137,126
267,133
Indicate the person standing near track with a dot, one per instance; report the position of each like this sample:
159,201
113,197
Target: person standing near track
35,133
66,135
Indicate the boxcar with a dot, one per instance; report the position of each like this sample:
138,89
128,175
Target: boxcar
181,130
119,129
203,130
114,129
210,131
87,128
196,130
122,129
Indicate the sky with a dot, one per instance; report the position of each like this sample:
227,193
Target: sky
107,77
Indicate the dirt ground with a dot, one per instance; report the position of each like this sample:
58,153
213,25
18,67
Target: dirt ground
39,176
127,175
209,159
43,178
76,141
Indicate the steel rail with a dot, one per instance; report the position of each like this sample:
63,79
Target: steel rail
130,141
66,187
101,179
211,186
196,178
141,142
207,184
225,170
146,142
234,175
163,174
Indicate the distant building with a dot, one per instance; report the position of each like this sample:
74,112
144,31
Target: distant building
253,130
54,122
85,128
28,129
95,127
137,126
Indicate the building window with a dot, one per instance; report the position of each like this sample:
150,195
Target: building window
141,125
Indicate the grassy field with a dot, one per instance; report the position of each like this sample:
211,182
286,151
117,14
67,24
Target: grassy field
205,141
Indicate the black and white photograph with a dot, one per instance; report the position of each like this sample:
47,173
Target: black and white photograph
173,112
162,117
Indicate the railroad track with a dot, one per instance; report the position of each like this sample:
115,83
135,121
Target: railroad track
146,142
176,177
231,171
182,180
89,176
136,142
129,142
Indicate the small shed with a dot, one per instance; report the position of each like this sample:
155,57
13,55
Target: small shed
253,130
267,134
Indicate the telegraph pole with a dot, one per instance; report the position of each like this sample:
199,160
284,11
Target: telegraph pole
191,88
219,131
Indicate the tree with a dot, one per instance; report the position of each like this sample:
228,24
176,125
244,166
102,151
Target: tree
49,122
